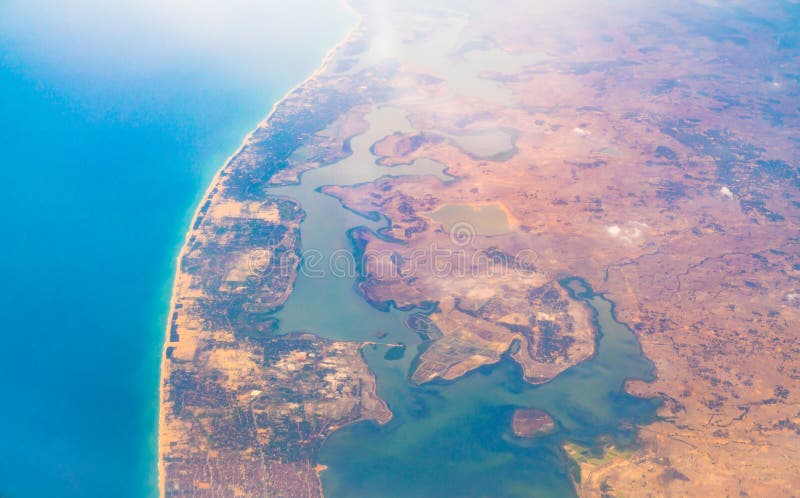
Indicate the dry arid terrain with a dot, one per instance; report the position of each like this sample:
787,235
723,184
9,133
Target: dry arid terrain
644,149
244,411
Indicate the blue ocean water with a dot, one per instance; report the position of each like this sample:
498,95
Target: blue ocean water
114,116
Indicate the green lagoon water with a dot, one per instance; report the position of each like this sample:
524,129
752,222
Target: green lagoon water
447,439
323,300
455,439
114,116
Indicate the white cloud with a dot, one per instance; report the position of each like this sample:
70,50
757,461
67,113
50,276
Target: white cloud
629,232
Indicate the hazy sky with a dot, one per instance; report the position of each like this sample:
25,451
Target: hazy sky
152,33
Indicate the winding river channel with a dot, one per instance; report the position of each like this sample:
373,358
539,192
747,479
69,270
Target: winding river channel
453,438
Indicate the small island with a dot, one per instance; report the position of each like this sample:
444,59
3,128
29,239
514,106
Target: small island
530,423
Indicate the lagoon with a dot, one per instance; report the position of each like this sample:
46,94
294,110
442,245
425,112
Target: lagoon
448,438
455,438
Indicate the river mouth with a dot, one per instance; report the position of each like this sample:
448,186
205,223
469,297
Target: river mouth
452,438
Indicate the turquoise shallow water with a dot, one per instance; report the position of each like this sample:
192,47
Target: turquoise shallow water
111,125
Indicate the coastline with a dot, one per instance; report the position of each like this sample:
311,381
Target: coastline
207,196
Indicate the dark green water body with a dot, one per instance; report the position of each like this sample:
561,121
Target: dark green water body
448,439
323,300
455,439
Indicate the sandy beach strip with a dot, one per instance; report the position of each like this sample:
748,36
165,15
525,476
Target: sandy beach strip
326,60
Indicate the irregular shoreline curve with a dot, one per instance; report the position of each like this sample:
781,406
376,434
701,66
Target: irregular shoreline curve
326,60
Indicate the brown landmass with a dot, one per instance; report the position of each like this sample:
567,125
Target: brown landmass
652,156
658,160
244,409
487,297
531,423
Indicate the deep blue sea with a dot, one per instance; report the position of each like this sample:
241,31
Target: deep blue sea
114,116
